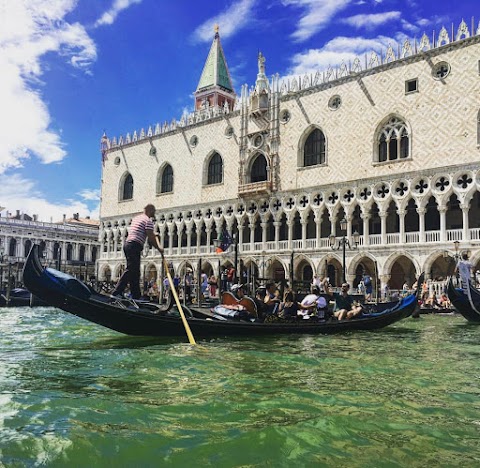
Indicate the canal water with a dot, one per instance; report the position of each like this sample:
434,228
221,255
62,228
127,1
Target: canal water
76,394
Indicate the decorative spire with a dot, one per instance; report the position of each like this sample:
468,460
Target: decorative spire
215,71
215,85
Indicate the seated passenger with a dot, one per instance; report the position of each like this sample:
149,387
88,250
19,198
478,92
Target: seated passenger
444,302
271,300
344,304
289,307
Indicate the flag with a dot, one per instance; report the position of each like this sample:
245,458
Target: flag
225,241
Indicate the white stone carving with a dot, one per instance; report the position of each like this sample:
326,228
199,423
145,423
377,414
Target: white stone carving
443,38
462,32
424,43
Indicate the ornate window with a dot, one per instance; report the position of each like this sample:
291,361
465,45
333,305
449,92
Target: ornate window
12,247
393,141
441,70
126,192
259,169
166,180
215,170
314,149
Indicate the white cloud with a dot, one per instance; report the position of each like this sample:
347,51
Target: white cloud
373,20
111,15
18,193
230,21
90,194
317,15
336,50
29,30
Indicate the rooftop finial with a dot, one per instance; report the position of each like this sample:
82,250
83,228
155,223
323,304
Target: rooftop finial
216,28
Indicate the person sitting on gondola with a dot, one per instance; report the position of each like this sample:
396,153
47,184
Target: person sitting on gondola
345,308
271,300
289,307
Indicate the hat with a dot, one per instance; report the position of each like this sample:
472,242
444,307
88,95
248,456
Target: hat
236,287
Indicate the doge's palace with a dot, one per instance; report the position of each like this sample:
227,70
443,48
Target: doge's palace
382,152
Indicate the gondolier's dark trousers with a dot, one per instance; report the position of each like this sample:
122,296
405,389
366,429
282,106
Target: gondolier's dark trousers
131,275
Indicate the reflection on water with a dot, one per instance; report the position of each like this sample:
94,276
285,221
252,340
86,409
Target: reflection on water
75,393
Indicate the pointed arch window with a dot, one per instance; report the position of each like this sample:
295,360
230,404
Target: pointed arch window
259,169
314,149
166,180
215,170
393,141
127,188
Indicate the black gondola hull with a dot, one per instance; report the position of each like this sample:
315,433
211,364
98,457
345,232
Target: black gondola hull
76,298
461,302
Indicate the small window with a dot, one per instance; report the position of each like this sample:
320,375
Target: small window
229,131
335,102
411,86
441,70
194,141
116,161
258,141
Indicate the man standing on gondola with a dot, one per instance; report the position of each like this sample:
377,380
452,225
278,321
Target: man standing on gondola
140,229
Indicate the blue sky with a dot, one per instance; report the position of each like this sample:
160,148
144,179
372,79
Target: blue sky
71,69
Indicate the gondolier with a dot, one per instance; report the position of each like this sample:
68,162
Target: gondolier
139,231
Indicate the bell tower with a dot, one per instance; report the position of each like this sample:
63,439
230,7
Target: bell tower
215,87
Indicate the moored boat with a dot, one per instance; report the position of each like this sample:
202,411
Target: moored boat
467,303
142,318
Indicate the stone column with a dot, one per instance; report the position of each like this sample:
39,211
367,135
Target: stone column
366,228
251,225
304,233
277,225
209,238
240,236
264,226
443,223
318,229
401,220
465,223
383,227
421,221
170,240
189,238
290,232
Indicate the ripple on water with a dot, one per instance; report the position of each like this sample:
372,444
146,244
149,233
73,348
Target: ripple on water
75,393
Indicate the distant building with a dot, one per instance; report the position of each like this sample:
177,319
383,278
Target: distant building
388,143
70,245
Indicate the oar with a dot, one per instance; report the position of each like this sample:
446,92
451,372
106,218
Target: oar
191,339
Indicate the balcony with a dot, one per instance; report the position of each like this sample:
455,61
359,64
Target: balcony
255,188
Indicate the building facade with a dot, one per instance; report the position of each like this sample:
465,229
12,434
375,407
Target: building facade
389,144
70,245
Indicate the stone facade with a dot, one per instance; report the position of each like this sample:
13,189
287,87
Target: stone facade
70,245
408,207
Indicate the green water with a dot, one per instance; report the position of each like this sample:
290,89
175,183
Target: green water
75,394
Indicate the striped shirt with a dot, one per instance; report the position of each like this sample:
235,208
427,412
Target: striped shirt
138,229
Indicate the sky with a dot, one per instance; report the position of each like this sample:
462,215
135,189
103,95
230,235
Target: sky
72,69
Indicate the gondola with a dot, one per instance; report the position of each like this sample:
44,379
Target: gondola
469,307
138,318
19,297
